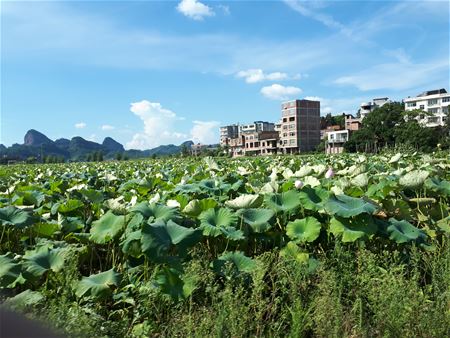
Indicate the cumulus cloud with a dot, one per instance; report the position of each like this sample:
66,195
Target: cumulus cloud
257,75
80,125
205,132
159,126
107,127
279,92
194,9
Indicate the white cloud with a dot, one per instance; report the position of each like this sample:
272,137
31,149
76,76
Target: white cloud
159,126
279,92
257,75
397,76
205,132
80,125
224,9
107,127
310,9
194,9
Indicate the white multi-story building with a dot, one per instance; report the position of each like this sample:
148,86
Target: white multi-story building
367,107
433,101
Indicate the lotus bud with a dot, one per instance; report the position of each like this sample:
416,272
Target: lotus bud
329,173
298,184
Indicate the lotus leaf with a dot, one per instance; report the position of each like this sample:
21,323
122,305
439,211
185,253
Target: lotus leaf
15,217
245,201
98,285
353,229
304,230
347,206
403,231
257,219
108,227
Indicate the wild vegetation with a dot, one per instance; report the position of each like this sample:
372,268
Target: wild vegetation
351,245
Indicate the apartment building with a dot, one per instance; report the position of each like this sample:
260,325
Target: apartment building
227,133
337,138
261,142
257,126
300,126
367,107
435,102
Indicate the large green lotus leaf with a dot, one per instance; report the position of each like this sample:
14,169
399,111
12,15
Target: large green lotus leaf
196,207
131,245
233,264
10,271
303,171
347,206
360,180
212,220
15,217
403,231
98,285
284,202
441,187
155,211
414,178
107,228
232,233
353,229
311,181
39,261
304,230
173,284
257,219
70,206
30,197
245,201
46,229
313,199
158,239
93,196
395,158
24,300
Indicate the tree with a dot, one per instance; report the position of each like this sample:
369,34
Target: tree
118,156
378,128
184,150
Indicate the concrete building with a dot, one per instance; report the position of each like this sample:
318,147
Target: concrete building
367,107
300,126
433,101
257,126
228,132
336,140
261,143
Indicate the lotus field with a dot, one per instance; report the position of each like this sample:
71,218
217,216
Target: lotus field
350,245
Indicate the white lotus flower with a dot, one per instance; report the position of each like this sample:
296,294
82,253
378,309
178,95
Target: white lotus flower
298,184
329,173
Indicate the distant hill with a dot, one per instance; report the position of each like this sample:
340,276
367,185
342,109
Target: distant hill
37,145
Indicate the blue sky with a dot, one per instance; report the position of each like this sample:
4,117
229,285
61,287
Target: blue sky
149,73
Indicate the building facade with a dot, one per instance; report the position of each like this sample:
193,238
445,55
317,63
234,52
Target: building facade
435,102
367,107
227,133
300,126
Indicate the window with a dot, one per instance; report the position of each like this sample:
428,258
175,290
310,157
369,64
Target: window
446,99
432,102
292,133
292,141
433,110
411,104
445,109
284,119
422,106
285,134
291,119
292,126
